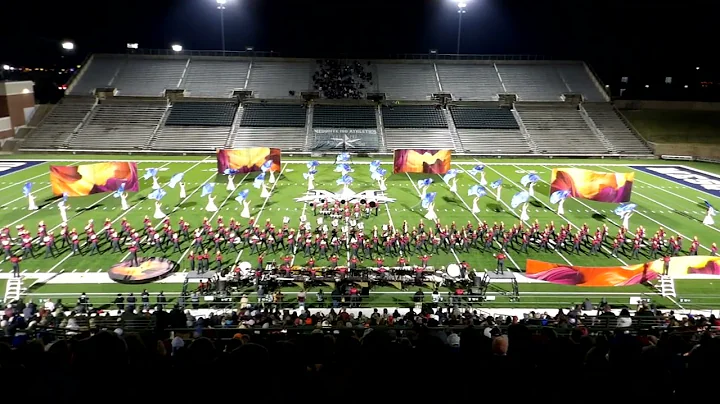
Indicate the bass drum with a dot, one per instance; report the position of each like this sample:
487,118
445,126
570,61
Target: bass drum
453,270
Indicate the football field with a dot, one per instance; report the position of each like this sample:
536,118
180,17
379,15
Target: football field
664,200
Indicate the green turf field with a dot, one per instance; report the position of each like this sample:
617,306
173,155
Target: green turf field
661,202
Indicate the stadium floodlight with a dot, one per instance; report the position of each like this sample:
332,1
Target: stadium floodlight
461,5
6,67
697,68
686,86
221,6
132,45
67,45
176,48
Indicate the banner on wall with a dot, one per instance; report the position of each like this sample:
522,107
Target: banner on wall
593,185
248,160
689,267
422,161
346,140
87,179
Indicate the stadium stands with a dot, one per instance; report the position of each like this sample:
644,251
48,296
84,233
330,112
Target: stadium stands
118,125
100,71
263,115
344,116
545,125
196,126
149,77
559,129
470,82
623,139
271,125
214,78
532,82
407,81
60,123
201,114
488,130
270,80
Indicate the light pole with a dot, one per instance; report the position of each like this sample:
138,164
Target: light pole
221,7
461,10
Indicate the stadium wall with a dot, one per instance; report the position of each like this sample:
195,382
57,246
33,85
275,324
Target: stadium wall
17,101
668,105
6,128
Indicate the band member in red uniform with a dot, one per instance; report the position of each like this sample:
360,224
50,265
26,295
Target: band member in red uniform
424,259
500,263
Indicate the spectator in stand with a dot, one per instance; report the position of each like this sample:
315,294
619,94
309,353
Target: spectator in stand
338,80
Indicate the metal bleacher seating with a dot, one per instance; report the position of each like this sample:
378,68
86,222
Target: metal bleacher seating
488,130
60,123
578,80
271,125
99,72
214,78
416,126
344,116
532,82
276,79
149,77
119,125
470,82
559,129
196,126
406,81
623,139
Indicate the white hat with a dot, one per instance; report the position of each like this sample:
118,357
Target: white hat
177,343
453,340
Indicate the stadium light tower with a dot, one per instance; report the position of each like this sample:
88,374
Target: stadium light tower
67,45
221,7
176,48
461,5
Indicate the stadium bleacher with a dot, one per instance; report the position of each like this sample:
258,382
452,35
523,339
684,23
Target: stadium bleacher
483,129
201,114
119,125
558,128
207,77
546,123
274,125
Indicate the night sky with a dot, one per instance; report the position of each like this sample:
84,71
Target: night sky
646,40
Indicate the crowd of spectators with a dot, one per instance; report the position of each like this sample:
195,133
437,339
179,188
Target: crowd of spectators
560,354
335,79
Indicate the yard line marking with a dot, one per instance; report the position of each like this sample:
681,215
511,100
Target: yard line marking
557,251
218,211
555,211
23,197
257,217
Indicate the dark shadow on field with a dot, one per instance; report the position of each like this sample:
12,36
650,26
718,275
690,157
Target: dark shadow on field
495,207
599,217
267,204
188,204
91,207
449,199
536,203
701,205
222,179
688,216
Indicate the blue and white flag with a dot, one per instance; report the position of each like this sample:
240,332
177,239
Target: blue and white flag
495,184
242,195
343,168
424,183
529,178
65,196
625,208
175,179
149,173
312,164
378,174
428,199
519,198
207,189
342,157
450,174
157,194
259,181
267,165
477,191
345,180
118,192
309,173
477,169
27,189
707,204
230,171
558,196
374,164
